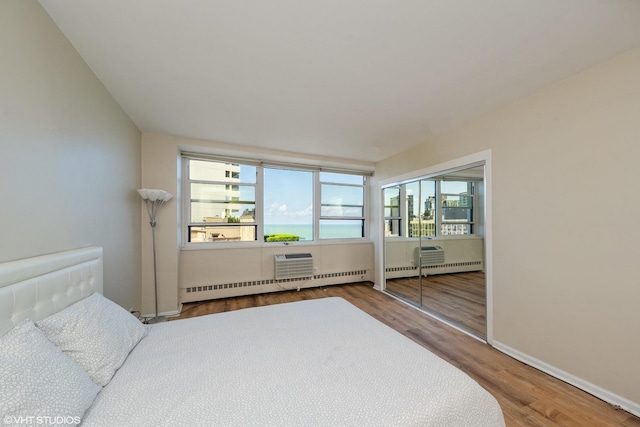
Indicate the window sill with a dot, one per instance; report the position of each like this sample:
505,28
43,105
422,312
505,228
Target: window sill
261,245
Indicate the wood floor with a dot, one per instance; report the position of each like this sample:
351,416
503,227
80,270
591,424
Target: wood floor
460,298
527,396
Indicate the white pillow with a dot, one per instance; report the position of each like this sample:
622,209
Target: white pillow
96,333
38,380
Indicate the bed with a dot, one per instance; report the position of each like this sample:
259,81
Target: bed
315,362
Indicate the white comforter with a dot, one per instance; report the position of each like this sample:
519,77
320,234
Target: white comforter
319,362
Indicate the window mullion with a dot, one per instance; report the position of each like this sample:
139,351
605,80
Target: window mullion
186,201
404,212
317,205
438,210
259,213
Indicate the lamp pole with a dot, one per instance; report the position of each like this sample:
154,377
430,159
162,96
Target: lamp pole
153,200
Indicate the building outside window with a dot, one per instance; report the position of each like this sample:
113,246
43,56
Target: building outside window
222,201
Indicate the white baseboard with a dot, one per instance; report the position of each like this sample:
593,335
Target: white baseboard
599,392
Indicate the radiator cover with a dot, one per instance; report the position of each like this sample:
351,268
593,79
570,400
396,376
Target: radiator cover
293,266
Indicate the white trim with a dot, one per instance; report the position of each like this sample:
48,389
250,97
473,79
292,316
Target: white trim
488,241
597,391
481,158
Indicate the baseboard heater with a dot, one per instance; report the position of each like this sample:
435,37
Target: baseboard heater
294,266
429,255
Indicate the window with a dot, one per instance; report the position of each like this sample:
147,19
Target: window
457,207
228,202
222,201
429,208
341,206
288,205
392,215
423,218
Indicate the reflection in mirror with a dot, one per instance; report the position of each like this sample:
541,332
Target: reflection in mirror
392,211
434,246
428,203
400,248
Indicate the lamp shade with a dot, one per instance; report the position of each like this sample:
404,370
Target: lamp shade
154,194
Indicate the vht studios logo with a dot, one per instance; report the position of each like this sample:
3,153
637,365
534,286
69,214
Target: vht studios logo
40,420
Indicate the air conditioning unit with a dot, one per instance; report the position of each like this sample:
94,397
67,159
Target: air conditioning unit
429,255
294,266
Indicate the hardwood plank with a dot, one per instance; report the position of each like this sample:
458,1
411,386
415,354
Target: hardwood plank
459,298
528,397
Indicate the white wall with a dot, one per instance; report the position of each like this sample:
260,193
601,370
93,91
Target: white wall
69,155
566,282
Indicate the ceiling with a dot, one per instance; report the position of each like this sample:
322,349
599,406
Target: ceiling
353,79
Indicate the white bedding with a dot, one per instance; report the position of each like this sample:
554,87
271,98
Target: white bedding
317,362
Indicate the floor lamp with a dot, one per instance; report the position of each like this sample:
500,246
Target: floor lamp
154,199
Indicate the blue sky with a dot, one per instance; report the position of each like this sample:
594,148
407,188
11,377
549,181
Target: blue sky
288,197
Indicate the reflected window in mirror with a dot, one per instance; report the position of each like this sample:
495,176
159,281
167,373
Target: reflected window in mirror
456,207
392,214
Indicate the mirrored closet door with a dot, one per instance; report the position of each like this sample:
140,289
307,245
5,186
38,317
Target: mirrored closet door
434,246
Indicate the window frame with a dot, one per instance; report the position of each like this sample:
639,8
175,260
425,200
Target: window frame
318,217
401,218
261,173
186,223
185,220
440,221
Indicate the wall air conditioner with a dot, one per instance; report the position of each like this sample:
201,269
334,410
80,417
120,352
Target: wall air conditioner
294,266
429,255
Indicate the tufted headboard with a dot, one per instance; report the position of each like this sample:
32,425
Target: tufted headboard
38,287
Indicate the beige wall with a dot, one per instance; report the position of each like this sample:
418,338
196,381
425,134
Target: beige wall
565,173
69,155
160,169
400,253
181,269
334,263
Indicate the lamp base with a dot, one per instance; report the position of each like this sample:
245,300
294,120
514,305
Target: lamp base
153,320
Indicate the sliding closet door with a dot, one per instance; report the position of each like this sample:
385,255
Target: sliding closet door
402,242
452,279
434,246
